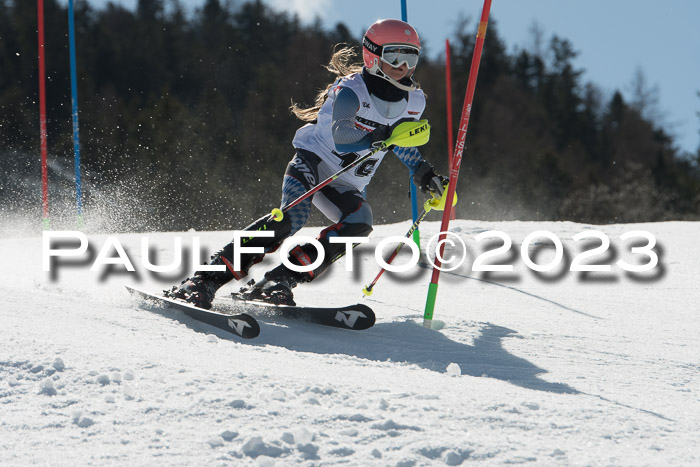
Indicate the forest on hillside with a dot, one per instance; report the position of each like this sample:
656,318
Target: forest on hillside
184,119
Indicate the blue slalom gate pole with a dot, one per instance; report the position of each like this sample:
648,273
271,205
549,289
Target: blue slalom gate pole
74,101
414,192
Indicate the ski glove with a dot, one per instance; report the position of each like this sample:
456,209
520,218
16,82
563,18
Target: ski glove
427,180
383,132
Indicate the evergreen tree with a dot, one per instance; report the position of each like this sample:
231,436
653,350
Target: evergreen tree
185,118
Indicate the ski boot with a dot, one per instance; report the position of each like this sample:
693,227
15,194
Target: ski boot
200,289
196,290
275,288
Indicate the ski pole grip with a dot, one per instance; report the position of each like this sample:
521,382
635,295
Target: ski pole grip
277,214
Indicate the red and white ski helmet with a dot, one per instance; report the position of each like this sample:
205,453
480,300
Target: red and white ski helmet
382,36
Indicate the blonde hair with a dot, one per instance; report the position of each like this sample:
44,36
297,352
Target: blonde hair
342,63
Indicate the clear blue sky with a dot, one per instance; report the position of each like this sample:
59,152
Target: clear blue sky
614,39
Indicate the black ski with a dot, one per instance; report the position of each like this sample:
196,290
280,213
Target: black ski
356,317
241,325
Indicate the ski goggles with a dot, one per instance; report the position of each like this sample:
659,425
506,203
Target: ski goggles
394,55
397,55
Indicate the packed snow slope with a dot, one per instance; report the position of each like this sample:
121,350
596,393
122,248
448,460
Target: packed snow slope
556,368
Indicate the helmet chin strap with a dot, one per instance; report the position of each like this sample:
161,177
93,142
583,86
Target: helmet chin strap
377,71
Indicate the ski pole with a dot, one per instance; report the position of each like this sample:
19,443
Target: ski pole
367,290
429,205
407,134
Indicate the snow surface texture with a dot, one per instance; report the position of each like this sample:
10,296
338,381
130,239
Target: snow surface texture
548,369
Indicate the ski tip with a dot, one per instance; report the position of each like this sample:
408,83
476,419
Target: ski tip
370,315
367,316
138,293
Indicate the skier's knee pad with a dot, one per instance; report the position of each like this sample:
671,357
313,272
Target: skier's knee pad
305,255
354,230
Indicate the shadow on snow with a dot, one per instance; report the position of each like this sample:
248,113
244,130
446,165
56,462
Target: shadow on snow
405,342
401,342
408,342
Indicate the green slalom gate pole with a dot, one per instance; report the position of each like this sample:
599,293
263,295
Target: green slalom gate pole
456,162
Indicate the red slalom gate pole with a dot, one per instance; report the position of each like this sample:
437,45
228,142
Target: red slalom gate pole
42,117
456,162
448,86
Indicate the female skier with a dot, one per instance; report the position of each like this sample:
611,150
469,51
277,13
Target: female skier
360,108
